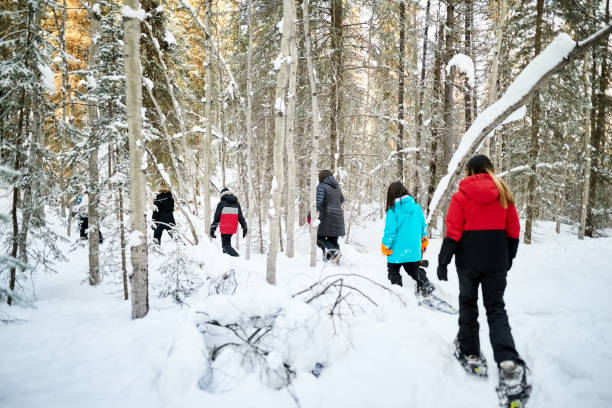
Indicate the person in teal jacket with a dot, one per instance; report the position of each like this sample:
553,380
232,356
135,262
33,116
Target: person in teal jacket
405,238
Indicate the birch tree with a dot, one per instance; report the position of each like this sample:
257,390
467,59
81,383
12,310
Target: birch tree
280,113
290,135
92,117
316,134
132,16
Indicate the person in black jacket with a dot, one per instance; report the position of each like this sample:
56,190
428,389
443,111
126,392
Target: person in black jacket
227,217
331,216
163,213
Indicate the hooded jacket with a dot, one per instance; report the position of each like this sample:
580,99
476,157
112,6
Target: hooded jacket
228,214
481,233
164,207
329,206
81,207
404,227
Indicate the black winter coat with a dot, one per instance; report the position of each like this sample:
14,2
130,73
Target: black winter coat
329,206
165,207
227,215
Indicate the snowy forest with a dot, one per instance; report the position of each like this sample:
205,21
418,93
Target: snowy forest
247,108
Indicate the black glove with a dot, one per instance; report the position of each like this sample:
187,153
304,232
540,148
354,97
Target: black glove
244,233
442,273
212,234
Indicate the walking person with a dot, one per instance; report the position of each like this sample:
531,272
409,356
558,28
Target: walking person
227,217
482,231
163,212
331,216
81,208
405,238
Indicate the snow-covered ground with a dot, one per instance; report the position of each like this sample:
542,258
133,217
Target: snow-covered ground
79,347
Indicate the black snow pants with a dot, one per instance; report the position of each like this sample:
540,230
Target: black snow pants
412,269
327,243
84,224
493,287
159,229
226,244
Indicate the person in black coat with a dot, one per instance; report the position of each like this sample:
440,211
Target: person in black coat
331,215
163,213
227,217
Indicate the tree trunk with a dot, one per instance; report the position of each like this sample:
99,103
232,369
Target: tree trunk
492,88
467,95
123,244
400,92
599,133
289,142
280,112
316,134
93,190
336,85
138,236
436,108
535,133
208,113
250,164
587,148
419,118
449,134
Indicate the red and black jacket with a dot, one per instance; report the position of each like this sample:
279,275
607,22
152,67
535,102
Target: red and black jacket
228,214
481,233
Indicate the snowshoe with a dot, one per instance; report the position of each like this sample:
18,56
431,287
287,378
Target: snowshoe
425,289
335,255
474,365
513,389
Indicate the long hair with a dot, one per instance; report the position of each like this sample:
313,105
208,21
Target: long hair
323,174
481,164
395,190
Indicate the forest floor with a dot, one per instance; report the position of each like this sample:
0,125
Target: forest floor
79,347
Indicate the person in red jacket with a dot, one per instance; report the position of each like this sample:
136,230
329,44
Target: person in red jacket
482,232
227,216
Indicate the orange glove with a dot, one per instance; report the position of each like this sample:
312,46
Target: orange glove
386,251
424,243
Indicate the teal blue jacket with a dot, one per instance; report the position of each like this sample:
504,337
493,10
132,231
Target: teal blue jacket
404,227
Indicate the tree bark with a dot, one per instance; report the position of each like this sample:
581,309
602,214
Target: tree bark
280,112
436,108
419,118
599,133
205,147
400,92
316,134
138,236
535,134
249,131
492,88
449,134
289,142
336,85
467,95
93,191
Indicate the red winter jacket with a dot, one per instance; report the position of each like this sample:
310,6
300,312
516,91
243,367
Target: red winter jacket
479,231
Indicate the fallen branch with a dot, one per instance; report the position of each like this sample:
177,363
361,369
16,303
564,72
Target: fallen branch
557,55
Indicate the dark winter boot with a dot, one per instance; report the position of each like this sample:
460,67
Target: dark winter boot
474,365
513,389
334,255
425,289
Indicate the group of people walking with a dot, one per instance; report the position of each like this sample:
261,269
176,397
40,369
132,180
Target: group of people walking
482,231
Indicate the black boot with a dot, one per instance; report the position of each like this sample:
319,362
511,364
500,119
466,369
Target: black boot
475,365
